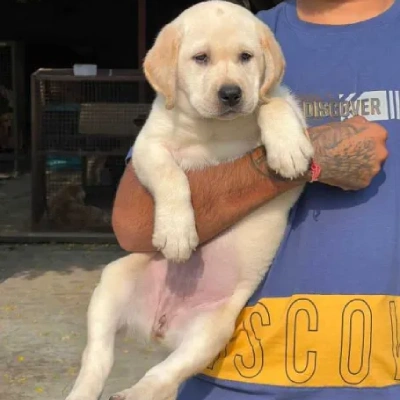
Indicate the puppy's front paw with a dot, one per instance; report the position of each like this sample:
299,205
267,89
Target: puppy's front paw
289,154
175,234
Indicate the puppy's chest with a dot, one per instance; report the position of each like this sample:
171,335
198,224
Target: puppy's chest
212,148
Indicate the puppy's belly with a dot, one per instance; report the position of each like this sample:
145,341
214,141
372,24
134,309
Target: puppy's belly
171,295
174,293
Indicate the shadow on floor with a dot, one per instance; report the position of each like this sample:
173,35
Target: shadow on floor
31,261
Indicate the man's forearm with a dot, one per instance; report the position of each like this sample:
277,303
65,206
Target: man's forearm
221,196
350,153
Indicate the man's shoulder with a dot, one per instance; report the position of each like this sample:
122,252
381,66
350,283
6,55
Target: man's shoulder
271,16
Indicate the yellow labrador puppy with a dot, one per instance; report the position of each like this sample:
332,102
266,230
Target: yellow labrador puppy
217,71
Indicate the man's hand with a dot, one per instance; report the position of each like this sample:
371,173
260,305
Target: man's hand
350,153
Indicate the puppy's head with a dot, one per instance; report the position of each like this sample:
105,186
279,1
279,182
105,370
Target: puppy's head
216,60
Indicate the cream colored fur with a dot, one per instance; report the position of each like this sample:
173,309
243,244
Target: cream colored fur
188,128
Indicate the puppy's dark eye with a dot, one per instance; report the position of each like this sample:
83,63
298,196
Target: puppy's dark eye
245,57
201,58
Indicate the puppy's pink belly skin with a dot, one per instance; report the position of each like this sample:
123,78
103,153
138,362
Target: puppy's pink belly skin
174,293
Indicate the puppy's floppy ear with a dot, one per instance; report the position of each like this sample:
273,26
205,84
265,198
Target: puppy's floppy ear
275,64
160,64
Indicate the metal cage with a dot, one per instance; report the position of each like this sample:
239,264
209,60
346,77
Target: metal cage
82,129
13,107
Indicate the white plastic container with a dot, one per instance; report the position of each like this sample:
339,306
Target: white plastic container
85,69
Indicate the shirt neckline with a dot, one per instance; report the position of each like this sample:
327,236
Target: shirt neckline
385,18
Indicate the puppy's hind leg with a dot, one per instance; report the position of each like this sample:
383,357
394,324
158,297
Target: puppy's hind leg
105,316
200,342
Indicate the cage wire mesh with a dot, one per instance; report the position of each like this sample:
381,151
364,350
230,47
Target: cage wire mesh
6,109
12,107
83,129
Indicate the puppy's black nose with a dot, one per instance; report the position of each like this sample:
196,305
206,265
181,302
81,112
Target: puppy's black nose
230,95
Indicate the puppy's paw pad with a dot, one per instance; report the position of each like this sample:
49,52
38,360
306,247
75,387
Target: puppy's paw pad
128,394
118,396
139,392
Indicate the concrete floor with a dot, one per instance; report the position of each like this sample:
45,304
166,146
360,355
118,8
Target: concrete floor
15,204
44,294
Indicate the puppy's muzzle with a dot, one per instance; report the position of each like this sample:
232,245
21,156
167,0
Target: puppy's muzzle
230,95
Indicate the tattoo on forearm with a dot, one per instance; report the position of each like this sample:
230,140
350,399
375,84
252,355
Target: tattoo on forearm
343,156
259,161
331,135
353,162
350,159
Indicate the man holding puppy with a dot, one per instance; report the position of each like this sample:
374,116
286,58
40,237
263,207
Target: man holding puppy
325,323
